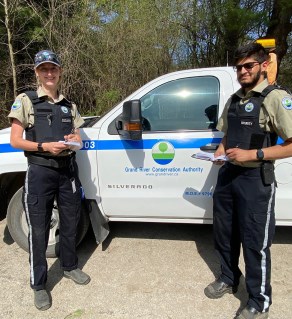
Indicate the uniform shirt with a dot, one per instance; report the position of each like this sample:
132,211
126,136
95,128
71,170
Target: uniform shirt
275,113
22,109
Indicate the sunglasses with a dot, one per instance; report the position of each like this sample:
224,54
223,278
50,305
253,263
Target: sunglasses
248,66
46,57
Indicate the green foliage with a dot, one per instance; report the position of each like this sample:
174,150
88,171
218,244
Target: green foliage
109,48
105,101
76,314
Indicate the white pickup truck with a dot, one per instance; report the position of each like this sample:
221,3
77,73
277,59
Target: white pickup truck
148,174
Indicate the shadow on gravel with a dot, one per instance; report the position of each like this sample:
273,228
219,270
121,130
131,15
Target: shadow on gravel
55,273
84,252
200,234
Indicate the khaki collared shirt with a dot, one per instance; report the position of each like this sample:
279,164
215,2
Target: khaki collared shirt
22,109
275,113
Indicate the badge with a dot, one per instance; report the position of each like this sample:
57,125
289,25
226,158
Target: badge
64,109
249,107
287,103
16,105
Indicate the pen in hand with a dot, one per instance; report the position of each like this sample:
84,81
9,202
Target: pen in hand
72,132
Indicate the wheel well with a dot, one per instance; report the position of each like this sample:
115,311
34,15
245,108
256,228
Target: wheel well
9,184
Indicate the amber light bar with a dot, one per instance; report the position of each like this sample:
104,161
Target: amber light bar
132,126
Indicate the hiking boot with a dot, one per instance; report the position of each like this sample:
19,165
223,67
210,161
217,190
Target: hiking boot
78,276
218,288
251,313
42,300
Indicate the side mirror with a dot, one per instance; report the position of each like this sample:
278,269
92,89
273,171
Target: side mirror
129,124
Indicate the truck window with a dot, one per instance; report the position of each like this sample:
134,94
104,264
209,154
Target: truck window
183,104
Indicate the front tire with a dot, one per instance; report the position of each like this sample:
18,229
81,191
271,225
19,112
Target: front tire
18,228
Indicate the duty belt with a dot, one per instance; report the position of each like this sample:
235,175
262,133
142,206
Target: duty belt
56,162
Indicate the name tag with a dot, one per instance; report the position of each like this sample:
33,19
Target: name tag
246,123
66,120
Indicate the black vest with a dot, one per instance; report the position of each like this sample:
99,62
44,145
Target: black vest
51,121
244,130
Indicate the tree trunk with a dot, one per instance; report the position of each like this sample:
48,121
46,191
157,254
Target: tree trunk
280,26
10,48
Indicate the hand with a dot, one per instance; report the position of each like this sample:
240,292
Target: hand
71,137
240,155
216,154
54,147
74,137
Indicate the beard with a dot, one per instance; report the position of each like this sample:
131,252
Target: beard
252,83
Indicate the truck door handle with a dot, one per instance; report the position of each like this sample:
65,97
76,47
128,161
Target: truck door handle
208,148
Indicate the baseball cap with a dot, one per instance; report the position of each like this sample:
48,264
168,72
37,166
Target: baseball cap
46,56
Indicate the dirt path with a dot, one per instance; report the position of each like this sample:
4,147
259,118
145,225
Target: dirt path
146,271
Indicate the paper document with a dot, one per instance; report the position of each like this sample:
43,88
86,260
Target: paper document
73,143
209,157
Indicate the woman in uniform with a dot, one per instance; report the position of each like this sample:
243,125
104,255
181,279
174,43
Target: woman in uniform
51,124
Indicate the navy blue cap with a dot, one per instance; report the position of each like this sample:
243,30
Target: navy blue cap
46,56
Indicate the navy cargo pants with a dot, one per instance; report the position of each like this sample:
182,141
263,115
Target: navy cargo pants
244,214
42,185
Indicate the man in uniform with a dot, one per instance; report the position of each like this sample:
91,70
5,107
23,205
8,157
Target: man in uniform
48,119
244,196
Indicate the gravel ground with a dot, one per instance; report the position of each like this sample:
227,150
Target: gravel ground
143,270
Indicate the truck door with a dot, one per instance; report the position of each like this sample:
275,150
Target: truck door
157,177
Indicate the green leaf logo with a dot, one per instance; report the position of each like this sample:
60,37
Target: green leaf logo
163,153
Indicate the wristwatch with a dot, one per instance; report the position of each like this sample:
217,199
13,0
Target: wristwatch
40,147
260,154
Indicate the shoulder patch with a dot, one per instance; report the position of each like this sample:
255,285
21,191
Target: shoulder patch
64,109
287,103
249,107
16,105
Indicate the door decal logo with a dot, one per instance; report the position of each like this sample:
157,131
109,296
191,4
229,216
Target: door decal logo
163,153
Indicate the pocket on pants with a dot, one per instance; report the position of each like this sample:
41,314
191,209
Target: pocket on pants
260,231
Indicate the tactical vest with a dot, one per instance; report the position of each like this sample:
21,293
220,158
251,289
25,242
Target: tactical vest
51,121
244,130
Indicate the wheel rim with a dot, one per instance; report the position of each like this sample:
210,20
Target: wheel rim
54,226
